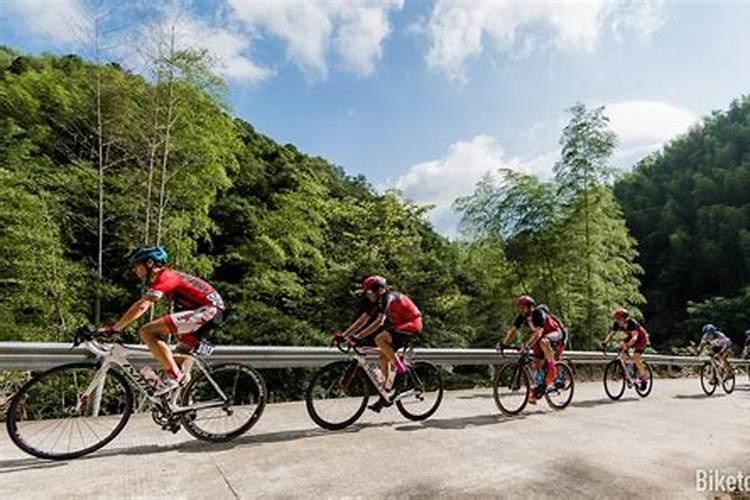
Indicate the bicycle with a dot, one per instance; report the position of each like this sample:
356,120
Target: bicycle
83,406
620,373
338,393
712,371
514,382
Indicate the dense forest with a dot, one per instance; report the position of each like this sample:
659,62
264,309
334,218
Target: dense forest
96,159
689,208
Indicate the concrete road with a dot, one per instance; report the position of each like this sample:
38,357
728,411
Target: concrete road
595,448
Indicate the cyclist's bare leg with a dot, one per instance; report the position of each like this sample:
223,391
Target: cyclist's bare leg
151,334
386,355
638,359
725,361
549,358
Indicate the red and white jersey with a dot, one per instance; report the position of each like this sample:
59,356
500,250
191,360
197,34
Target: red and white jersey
187,291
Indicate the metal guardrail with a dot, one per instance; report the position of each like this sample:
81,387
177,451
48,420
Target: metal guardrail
22,356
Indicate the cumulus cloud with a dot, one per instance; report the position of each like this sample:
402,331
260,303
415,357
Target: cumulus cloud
231,48
439,182
644,126
354,30
60,20
458,29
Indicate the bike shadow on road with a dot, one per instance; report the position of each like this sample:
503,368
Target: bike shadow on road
462,422
22,464
697,396
592,403
7,466
483,395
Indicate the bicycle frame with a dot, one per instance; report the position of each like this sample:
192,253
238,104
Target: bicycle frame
624,359
359,356
718,367
117,357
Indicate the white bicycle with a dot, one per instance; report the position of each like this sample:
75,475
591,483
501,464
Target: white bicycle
74,409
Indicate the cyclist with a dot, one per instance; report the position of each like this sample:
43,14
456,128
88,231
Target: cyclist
390,322
548,337
198,302
637,338
719,342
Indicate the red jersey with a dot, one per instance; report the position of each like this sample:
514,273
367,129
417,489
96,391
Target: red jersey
187,291
400,311
633,329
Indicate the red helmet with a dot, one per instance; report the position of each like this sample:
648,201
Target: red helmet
373,282
525,300
621,313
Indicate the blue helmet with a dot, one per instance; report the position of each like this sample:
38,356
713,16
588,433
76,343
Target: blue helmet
157,254
709,329
747,334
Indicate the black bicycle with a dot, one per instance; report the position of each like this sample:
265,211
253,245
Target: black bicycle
338,393
514,383
621,372
75,409
714,373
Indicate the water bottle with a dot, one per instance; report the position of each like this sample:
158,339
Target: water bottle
204,348
539,377
150,376
631,371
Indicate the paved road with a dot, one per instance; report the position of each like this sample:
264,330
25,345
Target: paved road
595,448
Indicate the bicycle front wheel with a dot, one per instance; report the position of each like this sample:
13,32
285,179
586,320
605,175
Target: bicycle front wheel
424,393
708,378
511,389
69,411
225,403
728,383
614,380
337,395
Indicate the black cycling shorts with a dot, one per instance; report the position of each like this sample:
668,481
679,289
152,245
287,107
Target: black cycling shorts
400,339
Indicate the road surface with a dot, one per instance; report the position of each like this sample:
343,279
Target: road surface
595,448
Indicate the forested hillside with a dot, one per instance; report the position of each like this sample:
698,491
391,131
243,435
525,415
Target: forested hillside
96,159
689,208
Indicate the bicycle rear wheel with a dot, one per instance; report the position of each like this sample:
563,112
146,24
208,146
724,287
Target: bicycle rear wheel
511,389
708,378
614,380
245,393
337,395
561,397
51,416
424,392
645,391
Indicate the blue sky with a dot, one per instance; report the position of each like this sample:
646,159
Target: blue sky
427,96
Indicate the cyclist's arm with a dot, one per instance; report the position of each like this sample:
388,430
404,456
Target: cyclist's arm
510,336
699,349
359,323
536,334
608,337
135,311
371,328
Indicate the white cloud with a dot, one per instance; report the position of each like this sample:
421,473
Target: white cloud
439,182
651,121
457,28
231,48
61,20
644,126
354,29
